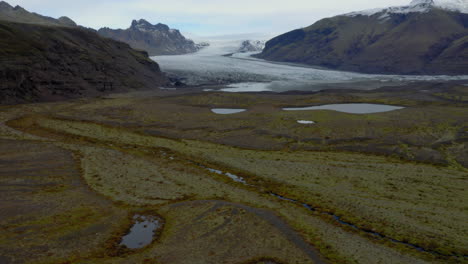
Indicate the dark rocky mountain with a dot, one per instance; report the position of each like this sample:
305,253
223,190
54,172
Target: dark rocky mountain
156,39
422,38
19,14
44,63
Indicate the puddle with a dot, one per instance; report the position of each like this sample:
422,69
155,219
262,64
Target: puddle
230,175
350,108
227,111
305,122
142,232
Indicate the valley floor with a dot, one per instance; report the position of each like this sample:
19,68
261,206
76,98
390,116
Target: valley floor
253,187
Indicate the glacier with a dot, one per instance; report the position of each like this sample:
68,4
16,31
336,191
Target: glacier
222,66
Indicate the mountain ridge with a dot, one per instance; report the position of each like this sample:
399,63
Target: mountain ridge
432,41
21,15
157,39
49,61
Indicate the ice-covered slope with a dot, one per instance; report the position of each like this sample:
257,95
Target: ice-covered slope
417,6
209,66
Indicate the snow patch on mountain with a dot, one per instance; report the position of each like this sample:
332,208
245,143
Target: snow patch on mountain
252,46
416,6
455,5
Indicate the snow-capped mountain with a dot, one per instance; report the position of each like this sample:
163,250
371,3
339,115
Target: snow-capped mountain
158,39
417,6
423,37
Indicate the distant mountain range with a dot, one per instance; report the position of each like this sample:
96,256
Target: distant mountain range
43,59
156,39
425,37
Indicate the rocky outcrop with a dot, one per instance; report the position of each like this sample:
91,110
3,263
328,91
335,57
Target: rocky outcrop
156,39
19,14
252,46
44,63
422,38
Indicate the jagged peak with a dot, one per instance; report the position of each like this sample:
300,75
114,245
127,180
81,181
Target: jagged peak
144,25
161,26
140,22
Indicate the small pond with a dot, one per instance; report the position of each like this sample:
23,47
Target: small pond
227,111
142,232
350,108
305,122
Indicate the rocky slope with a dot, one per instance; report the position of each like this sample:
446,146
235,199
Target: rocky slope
425,37
19,14
156,39
43,63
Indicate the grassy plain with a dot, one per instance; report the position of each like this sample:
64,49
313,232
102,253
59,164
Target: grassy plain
402,174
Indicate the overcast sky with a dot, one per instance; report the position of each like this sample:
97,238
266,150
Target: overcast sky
203,17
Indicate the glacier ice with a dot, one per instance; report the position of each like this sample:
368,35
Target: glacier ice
239,72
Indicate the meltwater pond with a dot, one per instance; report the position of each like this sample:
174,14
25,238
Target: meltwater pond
305,122
227,111
142,232
350,108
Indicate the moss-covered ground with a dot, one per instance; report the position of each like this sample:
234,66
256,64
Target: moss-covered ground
402,174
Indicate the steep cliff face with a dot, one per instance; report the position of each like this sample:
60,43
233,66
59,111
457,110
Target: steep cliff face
42,63
19,14
422,38
156,39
